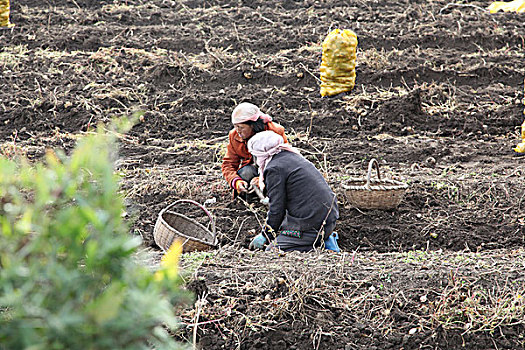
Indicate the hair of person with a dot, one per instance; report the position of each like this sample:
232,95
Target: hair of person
257,126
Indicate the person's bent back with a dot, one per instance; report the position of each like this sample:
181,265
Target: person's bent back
303,209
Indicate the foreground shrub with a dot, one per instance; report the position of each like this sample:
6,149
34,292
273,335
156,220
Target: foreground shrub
69,277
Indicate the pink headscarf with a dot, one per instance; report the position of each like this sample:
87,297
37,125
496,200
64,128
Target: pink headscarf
247,111
264,145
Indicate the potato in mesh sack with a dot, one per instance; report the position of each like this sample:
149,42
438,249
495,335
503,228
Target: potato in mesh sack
517,6
4,14
338,62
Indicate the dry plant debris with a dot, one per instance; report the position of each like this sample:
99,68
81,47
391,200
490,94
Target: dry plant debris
395,294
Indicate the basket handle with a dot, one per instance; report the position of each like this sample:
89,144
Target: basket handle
373,163
200,206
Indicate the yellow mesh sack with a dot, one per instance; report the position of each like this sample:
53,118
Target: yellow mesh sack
338,62
517,6
4,14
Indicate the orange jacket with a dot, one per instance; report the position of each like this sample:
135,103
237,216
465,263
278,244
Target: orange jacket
237,154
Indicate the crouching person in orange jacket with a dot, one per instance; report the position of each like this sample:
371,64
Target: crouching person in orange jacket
238,167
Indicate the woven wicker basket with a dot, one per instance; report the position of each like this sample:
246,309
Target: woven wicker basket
372,193
171,225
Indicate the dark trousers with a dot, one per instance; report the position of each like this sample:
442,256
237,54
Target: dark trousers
248,172
306,243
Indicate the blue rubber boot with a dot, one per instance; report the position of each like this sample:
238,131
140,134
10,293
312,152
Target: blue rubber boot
331,242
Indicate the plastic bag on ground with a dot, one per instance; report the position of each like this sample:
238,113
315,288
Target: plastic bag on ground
520,148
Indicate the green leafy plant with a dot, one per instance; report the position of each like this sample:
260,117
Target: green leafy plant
69,273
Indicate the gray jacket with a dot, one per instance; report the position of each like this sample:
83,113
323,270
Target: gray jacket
300,198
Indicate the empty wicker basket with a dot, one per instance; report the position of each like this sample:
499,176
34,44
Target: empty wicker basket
171,225
372,193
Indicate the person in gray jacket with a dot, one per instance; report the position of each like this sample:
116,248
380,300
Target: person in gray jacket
303,209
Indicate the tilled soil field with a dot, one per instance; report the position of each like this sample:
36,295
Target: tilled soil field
438,102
